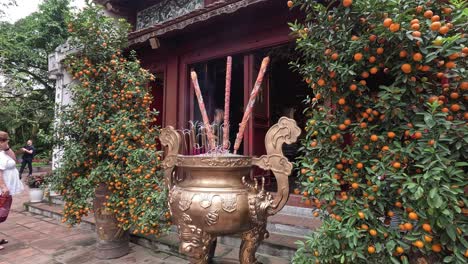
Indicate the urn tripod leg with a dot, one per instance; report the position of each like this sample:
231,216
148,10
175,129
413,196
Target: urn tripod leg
195,243
250,242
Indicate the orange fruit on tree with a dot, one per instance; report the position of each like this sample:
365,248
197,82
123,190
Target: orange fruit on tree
447,10
396,165
374,138
371,249
391,134
321,82
358,56
437,248
347,3
406,68
417,56
417,135
290,4
413,216
416,34
359,165
435,18
394,27
428,14
418,244
427,227
435,26
355,185
373,232
403,54
443,30
361,215
408,226
455,107
341,101
373,70
427,238
380,50
415,26
334,56
399,250
450,65
387,22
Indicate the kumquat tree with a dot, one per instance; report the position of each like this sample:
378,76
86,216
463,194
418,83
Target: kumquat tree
384,159
107,133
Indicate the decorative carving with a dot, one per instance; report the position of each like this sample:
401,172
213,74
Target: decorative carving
185,200
278,164
285,131
205,199
166,10
194,242
250,242
214,161
197,16
212,218
171,139
229,202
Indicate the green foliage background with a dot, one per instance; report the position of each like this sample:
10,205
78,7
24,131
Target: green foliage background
383,197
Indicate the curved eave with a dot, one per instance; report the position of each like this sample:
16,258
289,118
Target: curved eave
195,17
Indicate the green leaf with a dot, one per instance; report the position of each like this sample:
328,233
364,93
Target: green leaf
451,232
429,120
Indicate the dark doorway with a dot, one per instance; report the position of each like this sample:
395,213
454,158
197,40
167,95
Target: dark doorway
212,81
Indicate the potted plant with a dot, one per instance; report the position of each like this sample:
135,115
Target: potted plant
35,184
385,152
110,157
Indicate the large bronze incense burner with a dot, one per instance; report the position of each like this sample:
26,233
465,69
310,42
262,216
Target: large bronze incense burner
211,194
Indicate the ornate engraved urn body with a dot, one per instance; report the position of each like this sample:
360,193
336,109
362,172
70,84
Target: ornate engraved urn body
211,195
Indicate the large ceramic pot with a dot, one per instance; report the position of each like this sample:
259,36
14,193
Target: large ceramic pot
112,241
211,195
36,195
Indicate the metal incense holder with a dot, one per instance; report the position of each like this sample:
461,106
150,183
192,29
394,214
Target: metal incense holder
212,195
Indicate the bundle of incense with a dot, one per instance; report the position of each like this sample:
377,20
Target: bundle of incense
201,105
227,96
250,104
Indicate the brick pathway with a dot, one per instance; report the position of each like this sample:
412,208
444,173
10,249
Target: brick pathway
37,239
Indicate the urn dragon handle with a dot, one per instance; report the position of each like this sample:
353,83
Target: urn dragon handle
171,139
285,131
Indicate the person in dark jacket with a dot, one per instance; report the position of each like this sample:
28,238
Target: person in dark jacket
28,154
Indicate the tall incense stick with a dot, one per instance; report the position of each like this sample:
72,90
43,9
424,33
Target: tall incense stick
250,104
201,105
227,96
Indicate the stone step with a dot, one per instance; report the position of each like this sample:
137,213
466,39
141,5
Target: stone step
291,221
278,248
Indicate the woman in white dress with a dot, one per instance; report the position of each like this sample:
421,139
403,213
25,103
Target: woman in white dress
10,183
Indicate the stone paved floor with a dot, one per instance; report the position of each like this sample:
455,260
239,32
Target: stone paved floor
36,239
